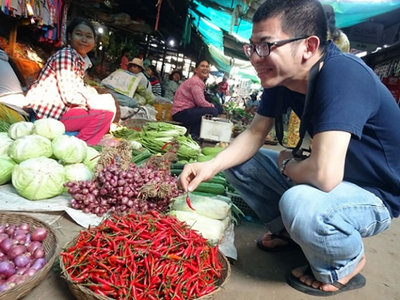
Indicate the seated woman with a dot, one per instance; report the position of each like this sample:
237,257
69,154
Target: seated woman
189,102
60,91
172,84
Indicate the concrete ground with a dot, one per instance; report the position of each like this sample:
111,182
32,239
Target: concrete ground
258,275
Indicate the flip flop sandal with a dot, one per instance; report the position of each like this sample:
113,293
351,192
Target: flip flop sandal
356,282
291,245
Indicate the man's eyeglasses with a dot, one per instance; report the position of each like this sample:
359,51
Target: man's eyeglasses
263,49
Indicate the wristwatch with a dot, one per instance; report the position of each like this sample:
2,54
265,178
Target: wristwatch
283,165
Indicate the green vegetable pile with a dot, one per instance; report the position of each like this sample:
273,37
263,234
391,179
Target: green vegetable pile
38,158
156,135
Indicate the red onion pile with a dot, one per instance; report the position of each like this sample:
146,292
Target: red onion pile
21,253
140,189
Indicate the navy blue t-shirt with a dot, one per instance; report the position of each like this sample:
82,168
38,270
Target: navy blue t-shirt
350,97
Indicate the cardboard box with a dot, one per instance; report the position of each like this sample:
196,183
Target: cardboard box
216,129
163,111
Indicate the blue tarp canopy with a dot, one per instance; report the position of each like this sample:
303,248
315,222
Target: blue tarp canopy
216,19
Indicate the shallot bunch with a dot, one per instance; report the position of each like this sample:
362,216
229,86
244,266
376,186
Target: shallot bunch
140,189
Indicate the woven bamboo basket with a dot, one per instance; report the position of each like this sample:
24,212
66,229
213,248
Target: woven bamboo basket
82,293
49,246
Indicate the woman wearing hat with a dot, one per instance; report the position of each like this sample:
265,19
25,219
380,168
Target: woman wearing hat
136,67
172,84
189,102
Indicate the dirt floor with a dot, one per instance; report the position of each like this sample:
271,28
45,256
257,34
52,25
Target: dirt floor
258,275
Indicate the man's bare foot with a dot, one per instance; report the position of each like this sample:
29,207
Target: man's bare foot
308,279
270,240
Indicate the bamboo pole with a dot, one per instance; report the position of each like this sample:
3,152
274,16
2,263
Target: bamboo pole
12,41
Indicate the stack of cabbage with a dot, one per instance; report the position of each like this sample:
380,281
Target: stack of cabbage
211,215
39,158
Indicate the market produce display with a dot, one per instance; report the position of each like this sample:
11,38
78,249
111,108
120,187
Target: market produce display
149,256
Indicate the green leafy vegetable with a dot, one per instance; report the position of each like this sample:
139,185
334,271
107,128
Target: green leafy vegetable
163,129
20,129
38,178
4,126
78,172
69,149
5,142
6,168
92,157
49,128
30,146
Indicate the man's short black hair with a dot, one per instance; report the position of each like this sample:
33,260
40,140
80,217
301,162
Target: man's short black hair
298,17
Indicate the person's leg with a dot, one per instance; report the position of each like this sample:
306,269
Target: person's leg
191,118
182,117
329,227
92,125
260,185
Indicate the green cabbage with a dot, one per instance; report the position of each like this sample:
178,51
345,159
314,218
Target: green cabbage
20,129
6,168
30,146
5,142
69,149
49,128
38,178
91,158
78,172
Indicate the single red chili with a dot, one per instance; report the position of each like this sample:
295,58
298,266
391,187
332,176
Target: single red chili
80,278
188,202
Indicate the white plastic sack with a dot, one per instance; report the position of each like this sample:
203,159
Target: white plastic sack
122,82
103,102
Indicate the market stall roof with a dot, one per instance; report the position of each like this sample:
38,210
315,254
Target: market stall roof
224,25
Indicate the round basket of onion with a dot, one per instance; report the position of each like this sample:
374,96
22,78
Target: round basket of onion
27,252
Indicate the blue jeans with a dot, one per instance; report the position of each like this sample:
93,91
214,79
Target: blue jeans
329,227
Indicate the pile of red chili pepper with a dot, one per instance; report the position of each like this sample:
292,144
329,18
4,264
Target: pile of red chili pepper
149,256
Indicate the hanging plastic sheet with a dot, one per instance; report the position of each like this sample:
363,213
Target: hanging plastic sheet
212,18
